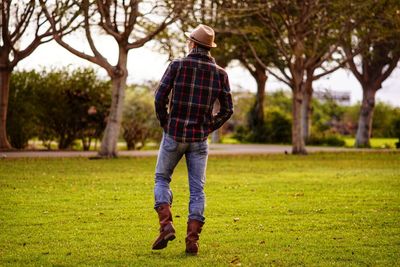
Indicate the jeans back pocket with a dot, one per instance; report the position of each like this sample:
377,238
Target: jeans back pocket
169,143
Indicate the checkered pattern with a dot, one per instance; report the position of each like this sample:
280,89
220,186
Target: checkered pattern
196,82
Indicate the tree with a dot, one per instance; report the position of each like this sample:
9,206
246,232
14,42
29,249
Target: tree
131,24
378,39
306,38
20,21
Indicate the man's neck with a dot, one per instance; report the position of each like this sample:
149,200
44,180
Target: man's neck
200,50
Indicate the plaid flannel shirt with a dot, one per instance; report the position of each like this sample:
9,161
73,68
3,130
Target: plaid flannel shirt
196,82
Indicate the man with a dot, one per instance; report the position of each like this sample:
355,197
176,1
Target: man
196,82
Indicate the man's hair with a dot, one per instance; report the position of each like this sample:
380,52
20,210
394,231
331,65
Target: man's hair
202,46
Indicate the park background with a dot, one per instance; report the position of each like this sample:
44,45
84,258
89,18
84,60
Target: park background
342,79
336,208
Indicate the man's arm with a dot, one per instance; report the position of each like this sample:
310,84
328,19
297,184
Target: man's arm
162,93
226,106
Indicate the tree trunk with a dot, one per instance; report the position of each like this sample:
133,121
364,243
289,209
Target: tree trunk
86,142
261,79
364,129
215,136
109,142
298,145
5,76
306,111
256,117
66,141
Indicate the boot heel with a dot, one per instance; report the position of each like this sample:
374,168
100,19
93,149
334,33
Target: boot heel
170,237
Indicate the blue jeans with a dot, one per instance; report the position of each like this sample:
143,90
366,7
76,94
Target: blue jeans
169,155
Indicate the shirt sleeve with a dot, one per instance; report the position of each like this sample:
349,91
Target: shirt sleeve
161,95
226,106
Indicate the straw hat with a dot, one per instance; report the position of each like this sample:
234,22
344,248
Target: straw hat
202,35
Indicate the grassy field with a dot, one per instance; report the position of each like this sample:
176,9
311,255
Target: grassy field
375,142
279,210
349,142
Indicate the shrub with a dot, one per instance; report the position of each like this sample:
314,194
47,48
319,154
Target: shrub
241,134
57,105
275,129
278,126
326,138
139,122
22,111
72,105
396,130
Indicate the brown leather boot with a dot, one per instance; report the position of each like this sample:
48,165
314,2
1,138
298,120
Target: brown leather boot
193,230
167,230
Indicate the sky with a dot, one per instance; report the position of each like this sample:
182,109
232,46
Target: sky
146,64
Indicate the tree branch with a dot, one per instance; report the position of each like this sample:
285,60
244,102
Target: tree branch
352,64
58,38
105,21
23,23
96,53
390,69
150,36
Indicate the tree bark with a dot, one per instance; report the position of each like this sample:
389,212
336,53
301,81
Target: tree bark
86,143
298,145
261,79
364,129
215,136
306,110
5,76
109,142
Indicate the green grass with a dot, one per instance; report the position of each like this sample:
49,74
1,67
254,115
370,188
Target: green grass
317,210
375,142
229,139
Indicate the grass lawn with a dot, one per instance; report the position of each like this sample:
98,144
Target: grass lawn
375,142
280,210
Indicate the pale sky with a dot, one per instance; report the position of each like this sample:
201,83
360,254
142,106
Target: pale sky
145,64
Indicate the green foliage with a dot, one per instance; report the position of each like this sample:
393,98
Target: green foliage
339,209
242,102
280,99
326,138
277,123
396,129
57,105
330,121
72,105
257,129
21,115
278,126
139,123
326,114
385,117
374,142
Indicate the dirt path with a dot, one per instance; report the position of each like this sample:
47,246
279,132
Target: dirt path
215,149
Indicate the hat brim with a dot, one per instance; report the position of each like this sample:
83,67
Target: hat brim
187,34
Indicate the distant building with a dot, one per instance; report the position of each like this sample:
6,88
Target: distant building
341,98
